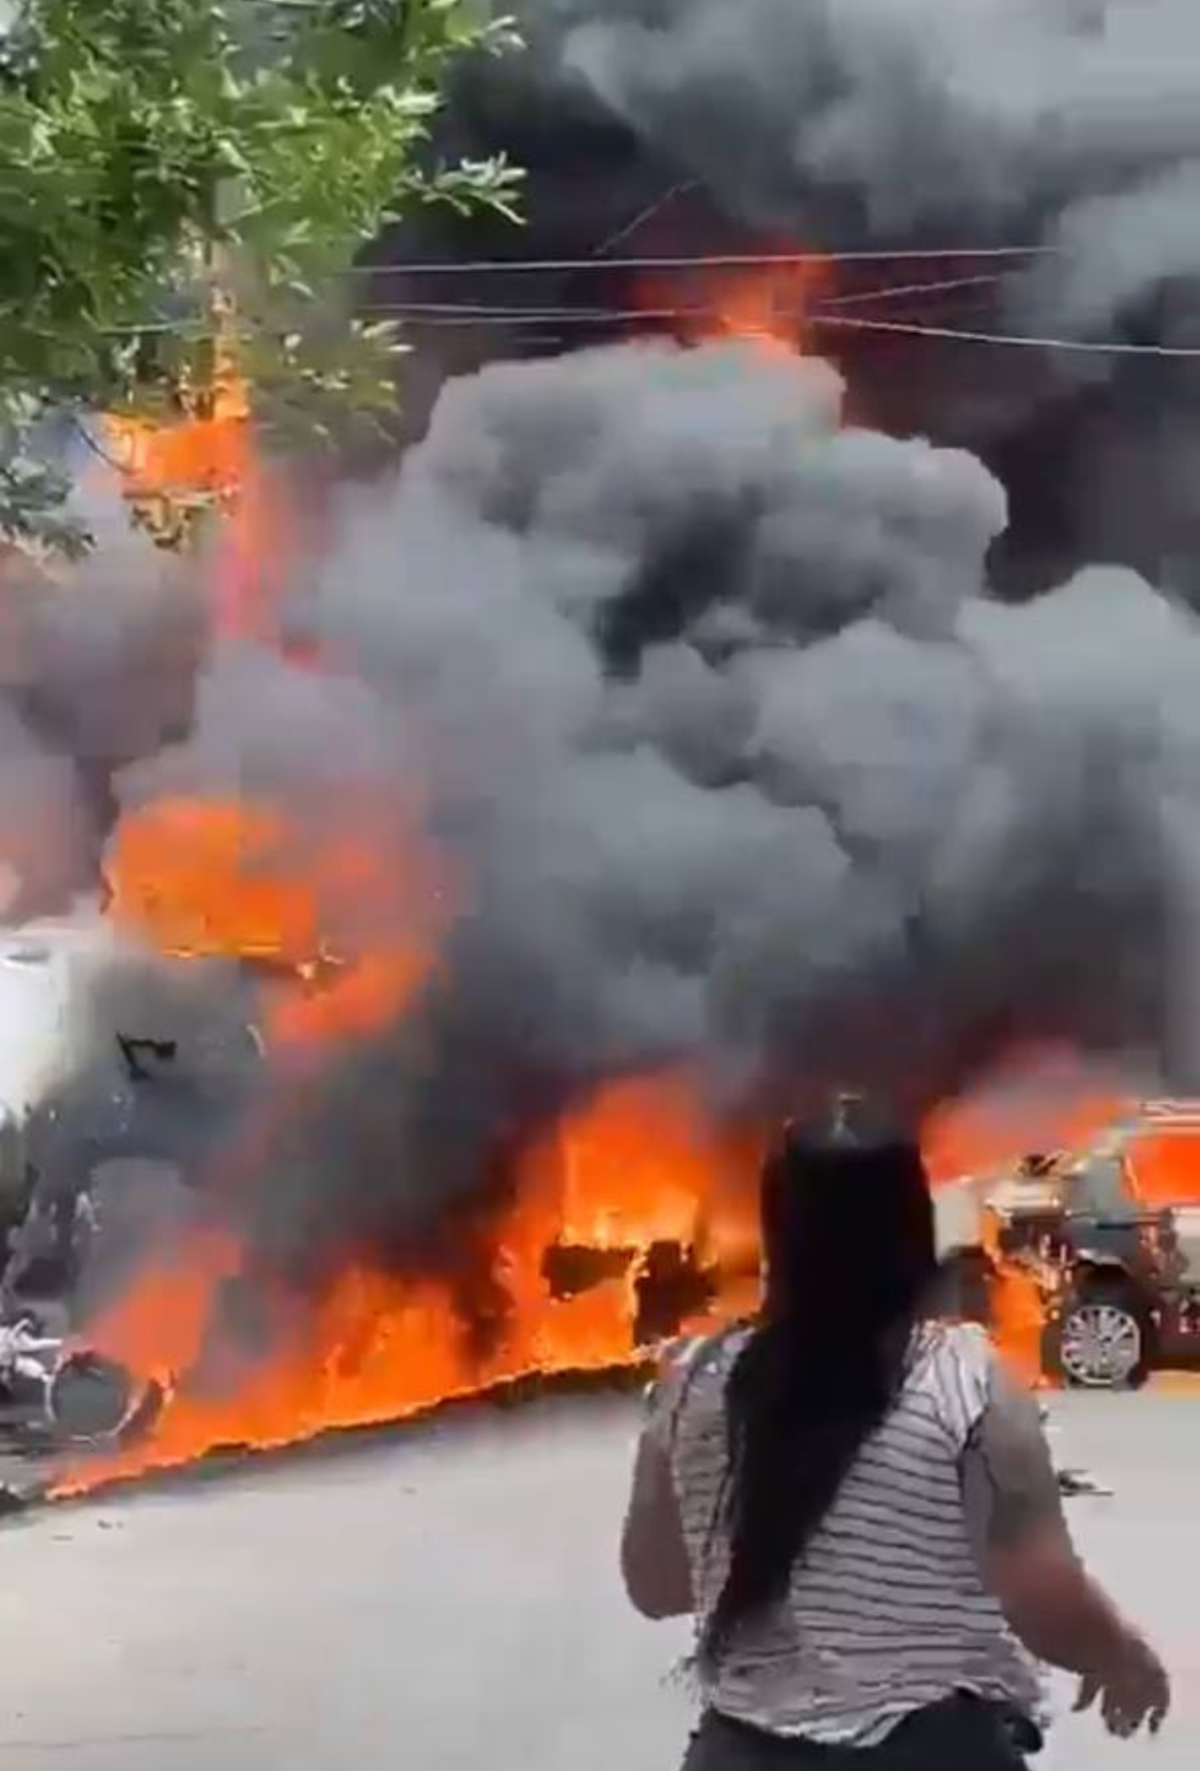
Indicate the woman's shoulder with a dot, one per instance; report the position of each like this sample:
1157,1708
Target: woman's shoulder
957,1361
950,1336
691,1365
691,1355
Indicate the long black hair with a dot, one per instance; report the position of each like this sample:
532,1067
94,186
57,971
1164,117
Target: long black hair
850,1254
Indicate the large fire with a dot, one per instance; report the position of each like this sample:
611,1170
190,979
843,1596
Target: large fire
638,1165
638,1169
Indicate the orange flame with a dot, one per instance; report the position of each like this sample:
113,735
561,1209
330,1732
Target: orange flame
1018,1313
224,878
203,878
212,459
623,1188
379,1347
209,454
254,551
1165,1166
158,1328
767,304
376,1350
640,1163
210,877
1039,1102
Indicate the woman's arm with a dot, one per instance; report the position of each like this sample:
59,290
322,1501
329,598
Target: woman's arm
1028,1560
653,1556
654,1561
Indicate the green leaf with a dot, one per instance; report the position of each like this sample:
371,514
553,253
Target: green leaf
150,152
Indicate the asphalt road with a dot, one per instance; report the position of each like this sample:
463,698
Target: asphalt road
446,1599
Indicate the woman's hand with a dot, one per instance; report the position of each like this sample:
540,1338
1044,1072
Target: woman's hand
1134,1690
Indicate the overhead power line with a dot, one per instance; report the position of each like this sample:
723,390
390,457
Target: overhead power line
600,312
893,291
698,261
1019,340
452,314
826,311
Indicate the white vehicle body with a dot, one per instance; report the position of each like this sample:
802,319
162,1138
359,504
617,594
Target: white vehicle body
46,969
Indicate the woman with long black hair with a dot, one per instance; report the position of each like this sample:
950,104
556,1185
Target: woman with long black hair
859,1506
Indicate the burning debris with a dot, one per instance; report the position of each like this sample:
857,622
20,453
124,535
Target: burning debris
658,747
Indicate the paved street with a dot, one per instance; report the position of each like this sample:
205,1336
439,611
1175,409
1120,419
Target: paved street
446,1598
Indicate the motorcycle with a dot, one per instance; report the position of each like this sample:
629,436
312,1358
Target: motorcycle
58,1394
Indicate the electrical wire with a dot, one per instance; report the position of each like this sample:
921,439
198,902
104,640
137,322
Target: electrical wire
891,291
81,431
698,261
507,310
628,229
828,312
451,314
599,313
1007,340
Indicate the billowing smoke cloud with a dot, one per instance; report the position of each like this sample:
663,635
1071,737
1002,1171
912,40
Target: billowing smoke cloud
1068,121
724,746
728,758
96,668
1069,125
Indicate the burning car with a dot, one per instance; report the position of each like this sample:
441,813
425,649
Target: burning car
1111,1236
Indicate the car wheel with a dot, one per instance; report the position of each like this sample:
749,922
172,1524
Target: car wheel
1101,1341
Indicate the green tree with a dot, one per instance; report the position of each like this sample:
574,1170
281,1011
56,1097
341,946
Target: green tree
174,173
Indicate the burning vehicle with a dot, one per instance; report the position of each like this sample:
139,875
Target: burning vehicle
679,708
90,1159
144,1097
1110,1236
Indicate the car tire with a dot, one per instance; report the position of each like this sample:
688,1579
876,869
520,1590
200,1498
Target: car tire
1101,1339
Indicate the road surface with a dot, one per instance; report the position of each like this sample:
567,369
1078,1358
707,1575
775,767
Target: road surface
445,1599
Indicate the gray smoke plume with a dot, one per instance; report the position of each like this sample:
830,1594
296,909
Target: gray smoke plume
97,665
1072,122
726,748
728,758
683,126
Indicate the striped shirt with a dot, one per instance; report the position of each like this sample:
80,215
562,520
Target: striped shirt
886,1611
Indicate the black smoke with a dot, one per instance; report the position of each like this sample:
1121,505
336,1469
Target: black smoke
796,747
835,812
682,126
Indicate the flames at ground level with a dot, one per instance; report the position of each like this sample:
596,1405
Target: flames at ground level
600,1206
632,1217
637,1189
636,1199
